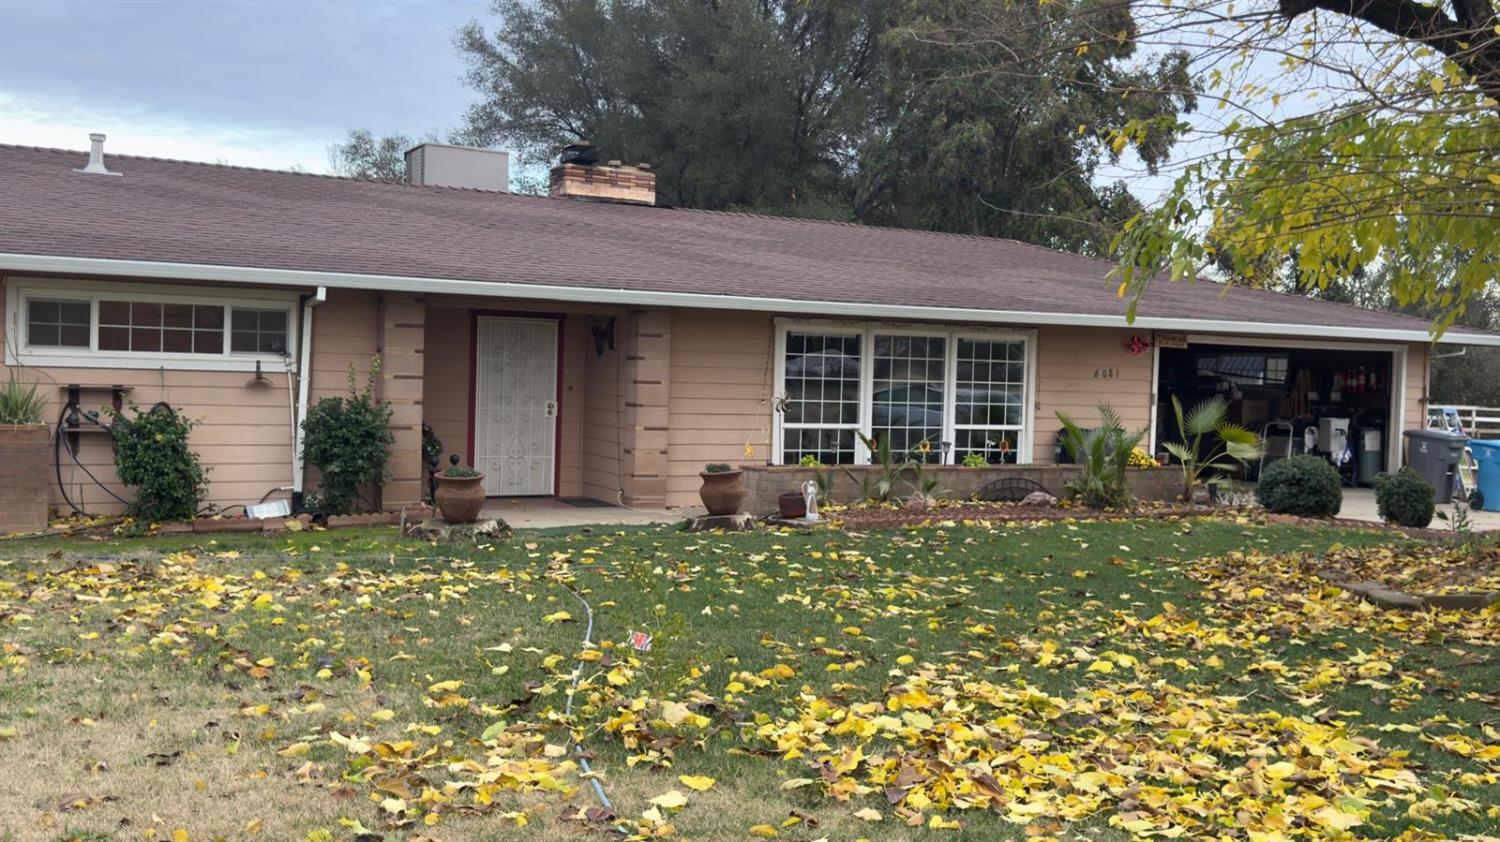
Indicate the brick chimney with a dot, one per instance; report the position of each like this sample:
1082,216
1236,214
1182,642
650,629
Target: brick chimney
579,175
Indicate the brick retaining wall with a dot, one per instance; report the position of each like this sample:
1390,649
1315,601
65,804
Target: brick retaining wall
25,462
954,482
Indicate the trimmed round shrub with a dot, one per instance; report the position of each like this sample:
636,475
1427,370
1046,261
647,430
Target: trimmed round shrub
1301,485
1405,499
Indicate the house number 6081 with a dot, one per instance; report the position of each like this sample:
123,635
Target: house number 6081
1106,374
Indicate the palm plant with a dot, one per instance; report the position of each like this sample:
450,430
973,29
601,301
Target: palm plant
1235,444
20,403
1103,454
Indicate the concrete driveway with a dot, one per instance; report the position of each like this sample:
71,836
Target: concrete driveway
1359,504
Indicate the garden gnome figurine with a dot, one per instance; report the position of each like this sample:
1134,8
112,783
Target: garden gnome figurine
810,493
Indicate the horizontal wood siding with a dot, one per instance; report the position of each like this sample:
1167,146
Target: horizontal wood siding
600,425
721,395
1079,367
243,434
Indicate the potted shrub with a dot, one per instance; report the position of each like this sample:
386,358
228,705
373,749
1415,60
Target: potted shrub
722,491
460,493
25,454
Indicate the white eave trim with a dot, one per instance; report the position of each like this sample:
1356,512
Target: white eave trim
646,298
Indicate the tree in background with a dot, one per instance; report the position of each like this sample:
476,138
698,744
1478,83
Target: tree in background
885,111
362,155
994,117
1348,135
740,104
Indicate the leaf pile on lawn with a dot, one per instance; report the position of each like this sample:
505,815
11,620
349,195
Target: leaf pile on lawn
1153,678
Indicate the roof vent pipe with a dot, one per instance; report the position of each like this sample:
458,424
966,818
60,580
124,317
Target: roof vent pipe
95,165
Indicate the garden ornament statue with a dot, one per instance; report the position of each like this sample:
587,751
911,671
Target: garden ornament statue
810,493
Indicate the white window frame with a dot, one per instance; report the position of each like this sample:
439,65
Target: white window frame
867,331
861,453
20,291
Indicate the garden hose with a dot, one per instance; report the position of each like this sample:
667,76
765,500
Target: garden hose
583,762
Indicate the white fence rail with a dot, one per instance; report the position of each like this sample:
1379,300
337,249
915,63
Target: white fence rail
1480,422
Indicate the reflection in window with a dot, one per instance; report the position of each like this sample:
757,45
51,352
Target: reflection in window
820,411
990,400
258,331
907,400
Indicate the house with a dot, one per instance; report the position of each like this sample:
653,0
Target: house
591,344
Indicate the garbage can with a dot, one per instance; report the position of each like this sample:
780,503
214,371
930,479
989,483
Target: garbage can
1487,454
1434,454
1371,460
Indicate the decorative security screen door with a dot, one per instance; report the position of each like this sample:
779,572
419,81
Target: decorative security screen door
515,406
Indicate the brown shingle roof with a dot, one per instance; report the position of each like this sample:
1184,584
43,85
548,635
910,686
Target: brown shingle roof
173,211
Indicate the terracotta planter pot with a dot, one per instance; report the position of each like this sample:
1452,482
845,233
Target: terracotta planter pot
722,493
792,505
459,499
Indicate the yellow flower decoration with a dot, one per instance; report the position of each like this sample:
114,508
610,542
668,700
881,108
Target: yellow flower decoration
924,447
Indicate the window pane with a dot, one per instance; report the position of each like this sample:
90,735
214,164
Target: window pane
998,447
821,381
45,311
114,313
57,324
831,447
258,331
114,338
145,314
208,317
177,315
208,342
43,334
73,336
991,382
177,341
74,313
907,404
145,338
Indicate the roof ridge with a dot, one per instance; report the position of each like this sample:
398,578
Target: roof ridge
270,170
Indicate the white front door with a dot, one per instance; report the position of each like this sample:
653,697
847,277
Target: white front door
515,406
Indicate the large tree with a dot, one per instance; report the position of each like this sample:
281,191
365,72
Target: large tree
994,119
1350,134
740,103
885,111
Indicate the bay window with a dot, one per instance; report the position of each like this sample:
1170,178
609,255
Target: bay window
937,393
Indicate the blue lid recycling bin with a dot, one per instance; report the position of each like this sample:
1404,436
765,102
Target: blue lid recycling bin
1487,454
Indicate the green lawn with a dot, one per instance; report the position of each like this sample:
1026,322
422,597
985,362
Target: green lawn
1089,680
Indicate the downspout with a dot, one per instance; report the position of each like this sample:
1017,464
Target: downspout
304,379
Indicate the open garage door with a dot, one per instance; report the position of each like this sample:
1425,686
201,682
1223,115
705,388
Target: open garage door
1341,401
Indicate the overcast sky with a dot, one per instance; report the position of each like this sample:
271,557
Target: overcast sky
254,82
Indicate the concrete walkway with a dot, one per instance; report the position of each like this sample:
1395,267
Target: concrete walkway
1359,504
551,513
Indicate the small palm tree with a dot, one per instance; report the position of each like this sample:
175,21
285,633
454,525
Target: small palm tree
1103,453
1237,445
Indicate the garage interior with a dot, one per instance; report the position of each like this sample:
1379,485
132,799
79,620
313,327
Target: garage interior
1333,403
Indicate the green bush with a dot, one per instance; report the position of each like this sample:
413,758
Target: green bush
1301,485
346,439
151,453
460,472
20,403
1405,499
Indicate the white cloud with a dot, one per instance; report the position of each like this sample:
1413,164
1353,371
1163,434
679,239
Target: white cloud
133,130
